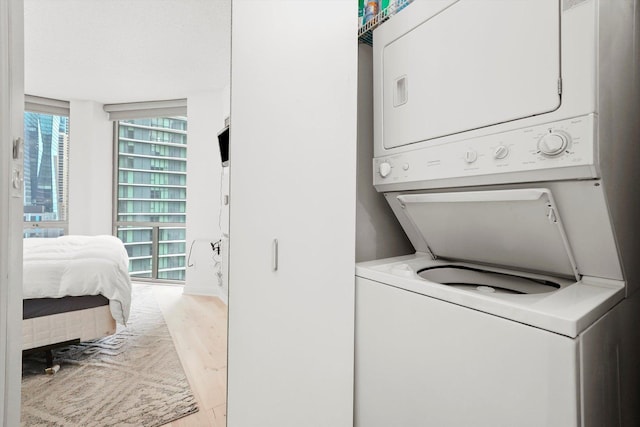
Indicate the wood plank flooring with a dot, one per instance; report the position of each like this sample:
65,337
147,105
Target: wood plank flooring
198,326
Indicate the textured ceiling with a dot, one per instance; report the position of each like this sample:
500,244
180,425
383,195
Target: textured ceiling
114,51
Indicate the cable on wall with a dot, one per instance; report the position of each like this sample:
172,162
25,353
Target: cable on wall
215,246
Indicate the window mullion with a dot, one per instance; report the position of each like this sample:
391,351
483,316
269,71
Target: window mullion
154,252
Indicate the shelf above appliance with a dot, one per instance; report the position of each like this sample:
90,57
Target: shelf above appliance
365,32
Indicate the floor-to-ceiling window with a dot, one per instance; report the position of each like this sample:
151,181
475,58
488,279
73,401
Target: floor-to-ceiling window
46,160
151,171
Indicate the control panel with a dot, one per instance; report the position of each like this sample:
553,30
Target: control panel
552,145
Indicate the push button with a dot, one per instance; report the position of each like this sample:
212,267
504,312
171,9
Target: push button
470,156
384,169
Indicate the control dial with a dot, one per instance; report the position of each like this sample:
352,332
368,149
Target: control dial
501,152
553,143
384,169
470,156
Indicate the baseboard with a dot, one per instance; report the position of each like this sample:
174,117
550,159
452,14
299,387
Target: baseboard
211,290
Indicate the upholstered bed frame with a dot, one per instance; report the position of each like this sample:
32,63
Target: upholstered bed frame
49,323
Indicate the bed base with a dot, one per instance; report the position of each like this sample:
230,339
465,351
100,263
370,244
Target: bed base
50,368
81,324
46,333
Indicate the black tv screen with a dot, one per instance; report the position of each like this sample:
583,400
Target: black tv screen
223,144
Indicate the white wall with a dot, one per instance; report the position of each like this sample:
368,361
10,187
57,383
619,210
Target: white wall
224,220
90,169
224,228
206,112
378,233
226,101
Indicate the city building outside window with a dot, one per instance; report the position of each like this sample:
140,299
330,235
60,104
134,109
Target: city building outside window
151,175
46,160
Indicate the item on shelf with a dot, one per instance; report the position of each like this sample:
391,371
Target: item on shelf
370,10
387,9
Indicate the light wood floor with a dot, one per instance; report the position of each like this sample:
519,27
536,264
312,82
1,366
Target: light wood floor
198,326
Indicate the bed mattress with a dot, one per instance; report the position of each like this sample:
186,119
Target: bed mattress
77,266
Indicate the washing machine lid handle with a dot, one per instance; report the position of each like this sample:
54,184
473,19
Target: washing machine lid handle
517,228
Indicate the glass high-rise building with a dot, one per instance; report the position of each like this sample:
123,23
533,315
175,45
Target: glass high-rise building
151,195
46,141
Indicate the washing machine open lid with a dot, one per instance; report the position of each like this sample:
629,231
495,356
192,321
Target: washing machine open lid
518,228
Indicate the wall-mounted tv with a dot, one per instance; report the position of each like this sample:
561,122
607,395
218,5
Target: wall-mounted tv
223,144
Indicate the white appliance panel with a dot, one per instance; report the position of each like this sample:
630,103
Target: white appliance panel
425,362
513,156
473,64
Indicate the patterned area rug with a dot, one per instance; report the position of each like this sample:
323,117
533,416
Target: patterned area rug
132,378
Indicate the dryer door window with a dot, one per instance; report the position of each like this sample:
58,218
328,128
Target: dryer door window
474,64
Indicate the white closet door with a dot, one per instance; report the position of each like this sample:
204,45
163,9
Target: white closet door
292,178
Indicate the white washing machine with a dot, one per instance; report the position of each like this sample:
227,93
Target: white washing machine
503,137
468,343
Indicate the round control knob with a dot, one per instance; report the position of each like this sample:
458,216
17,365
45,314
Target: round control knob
384,169
553,144
470,156
501,152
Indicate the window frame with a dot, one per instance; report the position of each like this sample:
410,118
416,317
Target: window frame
155,226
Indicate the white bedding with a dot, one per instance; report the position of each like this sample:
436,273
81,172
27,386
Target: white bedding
78,265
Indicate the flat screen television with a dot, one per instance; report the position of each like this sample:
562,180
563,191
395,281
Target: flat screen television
223,144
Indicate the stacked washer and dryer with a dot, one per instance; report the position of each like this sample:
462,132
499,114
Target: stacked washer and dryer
506,143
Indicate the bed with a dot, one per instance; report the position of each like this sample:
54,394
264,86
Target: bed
75,288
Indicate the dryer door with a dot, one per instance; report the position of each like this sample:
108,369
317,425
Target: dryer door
473,64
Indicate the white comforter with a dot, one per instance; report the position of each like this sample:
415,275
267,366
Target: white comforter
78,265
